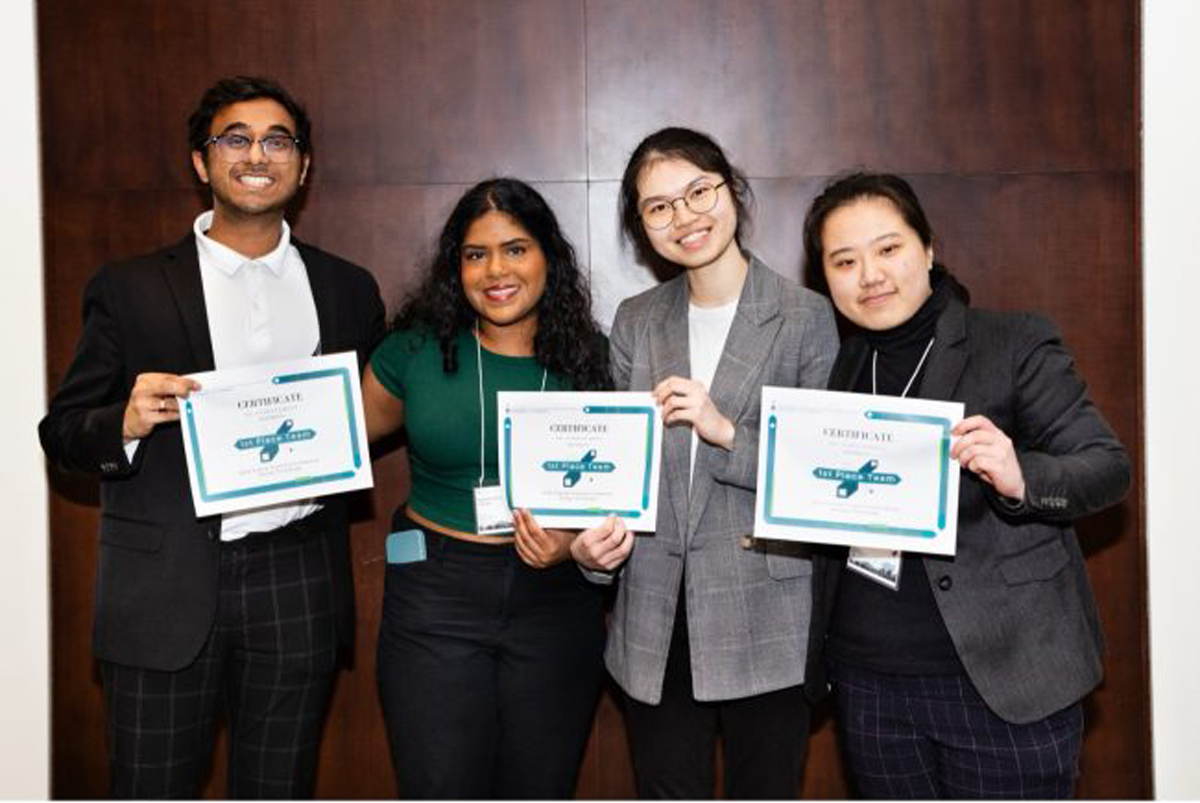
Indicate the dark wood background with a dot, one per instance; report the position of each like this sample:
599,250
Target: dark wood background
1015,119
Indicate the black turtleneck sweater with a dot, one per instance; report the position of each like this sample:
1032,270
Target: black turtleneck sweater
900,631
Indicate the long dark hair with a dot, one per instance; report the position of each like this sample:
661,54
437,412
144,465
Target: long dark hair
692,146
846,189
568,342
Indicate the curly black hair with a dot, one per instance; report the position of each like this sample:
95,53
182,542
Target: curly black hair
568,340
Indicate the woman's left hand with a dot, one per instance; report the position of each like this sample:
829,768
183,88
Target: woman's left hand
984,449
537,547
686,401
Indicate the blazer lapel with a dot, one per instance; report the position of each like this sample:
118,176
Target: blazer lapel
751,335
849,364
182,272
323,285
948,357
668,346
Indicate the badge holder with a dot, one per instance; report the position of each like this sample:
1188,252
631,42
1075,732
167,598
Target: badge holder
878,565
492,516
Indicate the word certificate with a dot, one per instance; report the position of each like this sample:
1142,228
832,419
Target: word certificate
857,470
264,434
573,458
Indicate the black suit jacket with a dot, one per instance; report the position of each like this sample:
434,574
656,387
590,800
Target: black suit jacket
1016,597
156,581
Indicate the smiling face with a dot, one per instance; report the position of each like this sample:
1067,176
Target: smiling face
691,240
503,270
255,186
875,263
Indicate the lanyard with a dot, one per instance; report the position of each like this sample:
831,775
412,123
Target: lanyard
479,364
911,379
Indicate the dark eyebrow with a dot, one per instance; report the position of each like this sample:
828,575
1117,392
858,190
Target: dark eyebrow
873,241
505,244
238,125
686,187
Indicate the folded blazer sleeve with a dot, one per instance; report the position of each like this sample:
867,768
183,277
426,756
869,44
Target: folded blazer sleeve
1070,457
83,429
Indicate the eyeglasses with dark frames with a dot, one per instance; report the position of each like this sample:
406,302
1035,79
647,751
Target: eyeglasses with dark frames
699,198
236,147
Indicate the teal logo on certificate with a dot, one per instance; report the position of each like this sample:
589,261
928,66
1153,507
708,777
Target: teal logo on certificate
267,434
848,481
857,470
573,470
574,458
269,444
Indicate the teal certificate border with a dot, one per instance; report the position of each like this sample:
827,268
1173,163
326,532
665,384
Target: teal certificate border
881,529
299,482
591,512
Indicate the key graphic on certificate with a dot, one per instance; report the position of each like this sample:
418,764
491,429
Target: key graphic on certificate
266,434
574,471
574,458
857,470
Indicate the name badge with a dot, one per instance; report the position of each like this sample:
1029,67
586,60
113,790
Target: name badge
492,516
879,565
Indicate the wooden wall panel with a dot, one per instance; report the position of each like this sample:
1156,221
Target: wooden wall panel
453,91
805,87
1015,119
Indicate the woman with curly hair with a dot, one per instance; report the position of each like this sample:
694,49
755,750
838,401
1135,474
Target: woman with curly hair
489,658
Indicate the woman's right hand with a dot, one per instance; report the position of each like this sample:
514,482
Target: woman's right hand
687,401
604,547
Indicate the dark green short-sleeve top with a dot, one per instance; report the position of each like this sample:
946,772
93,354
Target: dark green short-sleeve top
441,417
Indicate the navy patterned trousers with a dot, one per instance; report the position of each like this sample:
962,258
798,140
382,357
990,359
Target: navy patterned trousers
929,737
269,662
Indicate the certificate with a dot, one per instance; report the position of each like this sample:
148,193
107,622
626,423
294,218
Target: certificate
266,434
574,458
857,470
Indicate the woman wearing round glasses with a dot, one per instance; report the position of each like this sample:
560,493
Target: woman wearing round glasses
708,632
964,679
489,648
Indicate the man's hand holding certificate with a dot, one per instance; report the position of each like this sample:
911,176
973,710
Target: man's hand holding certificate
857,470
572,459
267,434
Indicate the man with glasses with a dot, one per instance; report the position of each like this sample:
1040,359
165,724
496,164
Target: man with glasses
243,612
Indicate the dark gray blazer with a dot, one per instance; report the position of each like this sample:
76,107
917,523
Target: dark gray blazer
1016,597
748,609
156,576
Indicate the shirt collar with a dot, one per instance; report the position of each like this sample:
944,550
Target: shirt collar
228,261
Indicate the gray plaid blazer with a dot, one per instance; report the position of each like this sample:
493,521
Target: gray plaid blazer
748,603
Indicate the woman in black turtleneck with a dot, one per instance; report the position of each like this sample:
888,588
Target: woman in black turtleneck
965,680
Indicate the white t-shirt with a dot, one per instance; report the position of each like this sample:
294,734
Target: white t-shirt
707,329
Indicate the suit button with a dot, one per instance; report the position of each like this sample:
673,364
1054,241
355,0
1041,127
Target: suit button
945,582
213,533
